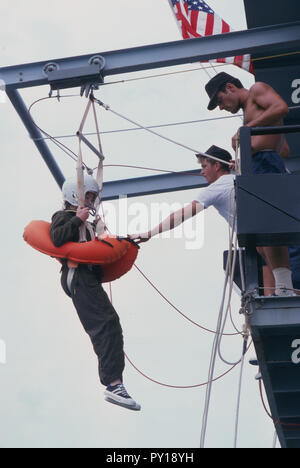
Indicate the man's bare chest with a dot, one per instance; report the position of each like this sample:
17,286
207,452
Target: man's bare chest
251,112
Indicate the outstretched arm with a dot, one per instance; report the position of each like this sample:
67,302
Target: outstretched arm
171,222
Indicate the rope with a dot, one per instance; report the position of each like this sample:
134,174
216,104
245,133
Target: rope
213,359
179,311
162,383
80,175
124,130
275,440
108,108
63,147
232,262
188,122
199,69
211,372
220,328
100,165
291,426
177,386
239,401
154,169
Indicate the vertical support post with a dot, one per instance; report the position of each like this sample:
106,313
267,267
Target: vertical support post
246,154
35,134
251,262
251,269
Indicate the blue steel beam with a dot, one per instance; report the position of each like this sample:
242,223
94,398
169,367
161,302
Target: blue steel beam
275,324
152,185
263,40
35,134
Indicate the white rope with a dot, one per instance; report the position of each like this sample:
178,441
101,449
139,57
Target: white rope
211,369
229,277
275,438
124,130
232,264
108,108
214,352
239,402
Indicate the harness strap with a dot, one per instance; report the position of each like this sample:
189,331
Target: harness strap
100,226
70,279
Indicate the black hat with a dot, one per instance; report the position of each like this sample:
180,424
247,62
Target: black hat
214,85
219,153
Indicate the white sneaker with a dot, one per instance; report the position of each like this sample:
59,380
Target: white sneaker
282,292
118,395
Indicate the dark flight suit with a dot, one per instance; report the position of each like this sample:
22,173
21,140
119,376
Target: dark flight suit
95,311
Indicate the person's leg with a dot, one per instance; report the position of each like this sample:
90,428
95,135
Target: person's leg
101,323
269,281
276,258
268,277
295,266
278,261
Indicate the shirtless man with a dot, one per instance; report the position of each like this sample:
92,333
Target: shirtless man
262,107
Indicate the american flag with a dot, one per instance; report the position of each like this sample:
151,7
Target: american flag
196,19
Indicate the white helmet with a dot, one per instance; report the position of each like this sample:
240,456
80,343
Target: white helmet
70,189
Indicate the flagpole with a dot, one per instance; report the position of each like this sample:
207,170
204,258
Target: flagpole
172,8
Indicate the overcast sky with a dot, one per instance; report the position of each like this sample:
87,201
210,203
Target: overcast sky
50,394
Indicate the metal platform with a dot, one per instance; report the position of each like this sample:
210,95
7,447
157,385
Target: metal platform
275,325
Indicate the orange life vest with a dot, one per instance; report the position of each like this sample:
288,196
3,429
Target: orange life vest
115,255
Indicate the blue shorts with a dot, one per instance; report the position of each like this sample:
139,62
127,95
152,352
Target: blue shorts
267,162
294,252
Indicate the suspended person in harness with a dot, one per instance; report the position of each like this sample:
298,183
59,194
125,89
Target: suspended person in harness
262,107
219,194
83,285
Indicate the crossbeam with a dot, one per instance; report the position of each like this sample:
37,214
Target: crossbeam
263,40
152,185
21,109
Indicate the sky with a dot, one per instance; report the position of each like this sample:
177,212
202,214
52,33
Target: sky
50,393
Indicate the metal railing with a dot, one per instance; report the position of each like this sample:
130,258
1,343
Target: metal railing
245,142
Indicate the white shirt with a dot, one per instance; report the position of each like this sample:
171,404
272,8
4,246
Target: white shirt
221,195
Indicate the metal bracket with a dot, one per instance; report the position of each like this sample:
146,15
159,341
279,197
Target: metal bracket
87,78
247,298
